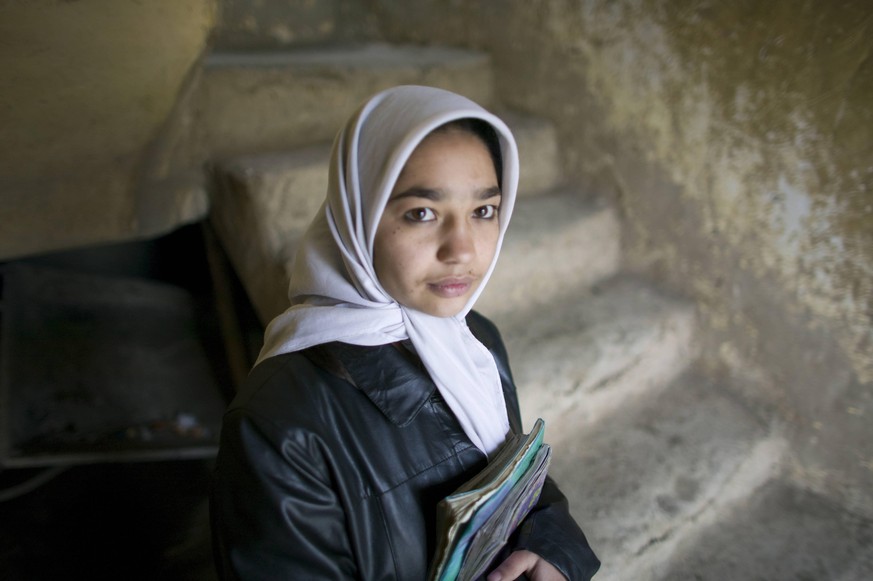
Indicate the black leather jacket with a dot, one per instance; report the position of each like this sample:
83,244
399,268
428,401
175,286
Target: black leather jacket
332,461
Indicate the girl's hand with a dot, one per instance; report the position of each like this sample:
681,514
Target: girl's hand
537,568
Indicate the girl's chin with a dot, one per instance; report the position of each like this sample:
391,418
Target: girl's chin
442,308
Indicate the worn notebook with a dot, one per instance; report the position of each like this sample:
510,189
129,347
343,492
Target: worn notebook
475,522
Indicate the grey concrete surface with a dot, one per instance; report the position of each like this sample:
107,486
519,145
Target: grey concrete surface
584,356
557,242
781,532
643,480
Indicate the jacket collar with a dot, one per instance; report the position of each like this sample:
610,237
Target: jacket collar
389,375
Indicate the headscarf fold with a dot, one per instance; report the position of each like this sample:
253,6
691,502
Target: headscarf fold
335,293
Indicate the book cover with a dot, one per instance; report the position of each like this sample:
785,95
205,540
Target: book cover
475,522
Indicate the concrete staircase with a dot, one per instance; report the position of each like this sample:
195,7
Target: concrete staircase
668,474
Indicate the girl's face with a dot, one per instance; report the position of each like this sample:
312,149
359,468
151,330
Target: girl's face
438,233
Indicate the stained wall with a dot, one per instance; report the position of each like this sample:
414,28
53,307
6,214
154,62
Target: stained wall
737,140
86,86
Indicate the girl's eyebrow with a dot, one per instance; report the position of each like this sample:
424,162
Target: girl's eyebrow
417,192
437,195
491,192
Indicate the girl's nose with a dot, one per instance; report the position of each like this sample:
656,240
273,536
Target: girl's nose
456,245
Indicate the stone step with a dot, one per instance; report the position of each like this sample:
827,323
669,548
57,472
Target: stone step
781,532
557,242
259,24
261,206
275,171
537,152
639,481
264,202
259,101
582,356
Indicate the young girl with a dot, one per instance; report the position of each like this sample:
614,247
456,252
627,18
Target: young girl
379,391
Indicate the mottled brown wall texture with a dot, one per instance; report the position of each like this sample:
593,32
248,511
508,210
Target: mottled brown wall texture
85,88
737,139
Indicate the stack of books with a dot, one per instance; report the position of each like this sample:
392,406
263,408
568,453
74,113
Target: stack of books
475,522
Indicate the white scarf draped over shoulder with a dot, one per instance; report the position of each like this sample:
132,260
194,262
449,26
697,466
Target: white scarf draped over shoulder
334,292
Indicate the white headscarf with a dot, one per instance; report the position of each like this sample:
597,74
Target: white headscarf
335,294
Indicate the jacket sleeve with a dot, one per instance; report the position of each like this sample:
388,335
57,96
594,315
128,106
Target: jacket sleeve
550,532
273,512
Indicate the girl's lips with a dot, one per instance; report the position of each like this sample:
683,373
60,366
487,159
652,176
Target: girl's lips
451,287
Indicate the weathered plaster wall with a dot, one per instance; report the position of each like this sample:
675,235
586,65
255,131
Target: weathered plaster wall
86,85
737,138
249,24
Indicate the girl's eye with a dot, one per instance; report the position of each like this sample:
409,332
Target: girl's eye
420,215
486,212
